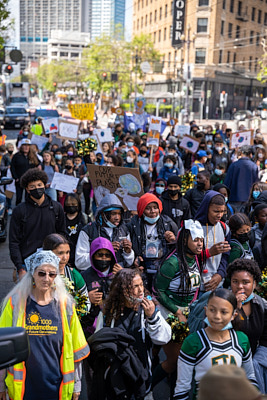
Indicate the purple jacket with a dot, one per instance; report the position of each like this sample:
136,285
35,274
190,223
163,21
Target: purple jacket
98,244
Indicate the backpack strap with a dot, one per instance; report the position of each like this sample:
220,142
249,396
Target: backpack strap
224,227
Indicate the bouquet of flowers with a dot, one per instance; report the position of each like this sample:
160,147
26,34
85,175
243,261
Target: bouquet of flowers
86,146
188,181
180,330
80,300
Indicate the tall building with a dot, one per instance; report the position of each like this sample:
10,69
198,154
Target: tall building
106,14
38,18
218,47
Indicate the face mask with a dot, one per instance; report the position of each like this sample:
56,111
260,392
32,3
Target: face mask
143,152
151,221
173,192
209,146
10,152
228,326
250,297
243,237
218,148
25,133
110,224
71,209
159,189
130,144
226,199
68,167
256,194
218,171
122,150
134,300
101,265
260,155
37,193
201,185
70,153
168,165
58,156
129,160
170,154
77,165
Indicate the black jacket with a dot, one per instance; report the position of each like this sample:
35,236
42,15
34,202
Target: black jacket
178,210
194,197
19,165
30,224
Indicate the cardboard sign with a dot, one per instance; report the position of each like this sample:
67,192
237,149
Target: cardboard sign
125,183
181,130
241,138
64,183
117,110
50,125
172,122
153,139
104,135
82,111
40,141
155,124
68,129
189,143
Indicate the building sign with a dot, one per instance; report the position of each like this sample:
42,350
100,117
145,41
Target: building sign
178,22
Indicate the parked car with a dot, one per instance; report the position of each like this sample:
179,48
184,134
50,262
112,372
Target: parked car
44,113
242,115
15,117
2,113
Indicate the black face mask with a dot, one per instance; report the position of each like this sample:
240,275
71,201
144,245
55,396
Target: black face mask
10,152
71,209
143,152
68,167
200,185
101,265
243,237
37,193
173,192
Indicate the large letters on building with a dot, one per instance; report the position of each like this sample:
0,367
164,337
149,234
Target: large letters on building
178,22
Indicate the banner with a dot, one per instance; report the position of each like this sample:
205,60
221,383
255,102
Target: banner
82,111
178,22
239,139
125,183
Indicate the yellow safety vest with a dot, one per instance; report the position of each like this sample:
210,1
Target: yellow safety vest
74,349
37,129
2,139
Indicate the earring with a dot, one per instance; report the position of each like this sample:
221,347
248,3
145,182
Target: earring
33,283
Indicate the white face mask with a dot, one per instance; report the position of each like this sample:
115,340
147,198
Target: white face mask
260,155
129,159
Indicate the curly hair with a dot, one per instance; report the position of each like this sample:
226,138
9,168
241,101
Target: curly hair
120,288
33,175
241,264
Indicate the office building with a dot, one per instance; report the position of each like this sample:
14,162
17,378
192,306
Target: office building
106,14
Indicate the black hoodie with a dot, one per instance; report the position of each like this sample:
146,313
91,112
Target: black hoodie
178,210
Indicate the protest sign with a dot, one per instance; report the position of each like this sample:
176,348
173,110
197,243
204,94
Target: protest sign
189,143
50,125
125,183
241,138
64,183
117,110
11,188
181,130
104,135
68,129
172,122
155,124
40,141
153,139
82,111
99,145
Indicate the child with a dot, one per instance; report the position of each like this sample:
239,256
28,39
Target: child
217,344
260,214
219,174
240,227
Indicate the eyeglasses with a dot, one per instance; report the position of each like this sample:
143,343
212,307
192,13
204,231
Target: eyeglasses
160,185
107,255
51,275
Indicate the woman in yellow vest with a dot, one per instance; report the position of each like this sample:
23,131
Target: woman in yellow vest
40,304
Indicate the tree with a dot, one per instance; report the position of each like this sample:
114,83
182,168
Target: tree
5,22
262,75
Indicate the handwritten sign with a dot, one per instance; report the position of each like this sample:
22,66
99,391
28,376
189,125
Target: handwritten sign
181,130
155,124
125,183
82,111
50,125
64,183
241,138
68,129
153,139
189,143
104,135
40,141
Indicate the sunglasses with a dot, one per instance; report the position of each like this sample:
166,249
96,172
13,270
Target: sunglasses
160,185
107,255
42,274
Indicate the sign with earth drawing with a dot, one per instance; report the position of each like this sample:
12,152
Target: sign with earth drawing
190,144
241,138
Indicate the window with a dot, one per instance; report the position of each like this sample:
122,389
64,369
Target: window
138,5
202,25
250,63
150,18
253,14
251,37
146,21
63,54
232,3
142,3
169,60
155,16
159,35
155,34
257,39
239,9
224,4
54,53
165,34
259,17
200,56
137,24
237,32
256,65
220,56
74,54
222,27
160,13
203,3
234,59
166,10
142,21
230,29
265,19
228,57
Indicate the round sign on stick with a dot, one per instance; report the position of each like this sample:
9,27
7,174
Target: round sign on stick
15,55
145,67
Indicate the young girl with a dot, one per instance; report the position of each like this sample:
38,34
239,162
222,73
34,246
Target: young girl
217,344
131,159
240,227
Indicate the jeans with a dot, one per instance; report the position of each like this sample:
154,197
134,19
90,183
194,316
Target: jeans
260,367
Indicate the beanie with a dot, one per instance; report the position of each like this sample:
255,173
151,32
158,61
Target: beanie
145,200
174,180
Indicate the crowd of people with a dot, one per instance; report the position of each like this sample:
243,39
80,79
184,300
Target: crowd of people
167,291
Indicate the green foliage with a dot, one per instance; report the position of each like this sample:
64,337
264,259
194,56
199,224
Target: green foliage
150,108
5,23
125,106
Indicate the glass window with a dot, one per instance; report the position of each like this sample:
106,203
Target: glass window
232,3
222,27
155,16
230,29
160,13
159,35
166,10
228,57
237,32
203,3
259,17
257,39
253,14
251,37
202,25
220,56
224,4
200,56
165,34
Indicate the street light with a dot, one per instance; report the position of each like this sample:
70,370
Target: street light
188,78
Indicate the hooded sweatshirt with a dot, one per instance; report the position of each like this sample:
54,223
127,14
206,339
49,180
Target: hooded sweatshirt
96,229
212,235
96,279
178,210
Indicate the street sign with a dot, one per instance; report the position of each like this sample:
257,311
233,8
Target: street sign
145,67
15,55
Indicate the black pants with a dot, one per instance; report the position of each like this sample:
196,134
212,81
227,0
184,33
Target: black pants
19,193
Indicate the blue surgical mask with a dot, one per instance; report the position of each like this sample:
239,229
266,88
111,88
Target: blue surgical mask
110,225
151,220
256,194
209,146
226,199
159,189
168,165
58,156
130,144
228,326
218,171
250,297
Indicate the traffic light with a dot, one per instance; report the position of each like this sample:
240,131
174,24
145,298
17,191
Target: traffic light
104,75
8,69
164,101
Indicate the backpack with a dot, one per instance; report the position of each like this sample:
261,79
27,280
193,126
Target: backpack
197,313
